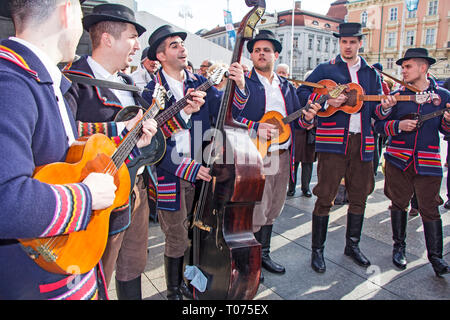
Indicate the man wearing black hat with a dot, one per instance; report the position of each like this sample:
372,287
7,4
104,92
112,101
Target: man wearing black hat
413,159
344,145
146,70
181,165
37,128
265,95
114,35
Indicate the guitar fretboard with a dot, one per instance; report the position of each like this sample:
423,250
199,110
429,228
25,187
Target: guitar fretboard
298,113
167,114
130,140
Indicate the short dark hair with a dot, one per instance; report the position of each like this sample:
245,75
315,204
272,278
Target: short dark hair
114,28
24,11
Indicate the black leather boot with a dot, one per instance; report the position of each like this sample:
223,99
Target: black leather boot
398,223
174,275
352,237
266,262
129,290
258,238
319,235
307,168
292,184
434,243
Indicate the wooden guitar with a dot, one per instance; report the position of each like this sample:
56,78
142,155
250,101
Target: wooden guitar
421,118
78,252
282,123
156,149
356,97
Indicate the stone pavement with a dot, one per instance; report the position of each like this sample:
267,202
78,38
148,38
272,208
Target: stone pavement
343,280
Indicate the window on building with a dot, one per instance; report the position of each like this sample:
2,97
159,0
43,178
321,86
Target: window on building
310,43
433,7
327,45
315,22
412,14
390,63
410,36
393,13
309,63
364,18
295,42
430,36
317,61
327,25
319,44
335,46
391,39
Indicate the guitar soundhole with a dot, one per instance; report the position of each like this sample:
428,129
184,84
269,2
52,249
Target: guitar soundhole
352,97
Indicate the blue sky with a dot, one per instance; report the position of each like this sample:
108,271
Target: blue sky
209,13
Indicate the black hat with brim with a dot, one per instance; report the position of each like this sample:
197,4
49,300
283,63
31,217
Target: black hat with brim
265,35
5,12
416,53
159,35
112,12
349,29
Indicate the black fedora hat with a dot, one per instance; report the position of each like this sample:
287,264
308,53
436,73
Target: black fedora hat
159,35
4,8
416,53
112,12
349,29
265,35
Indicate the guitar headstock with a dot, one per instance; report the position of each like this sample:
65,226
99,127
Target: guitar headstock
159,96
336,91
427,97
216,77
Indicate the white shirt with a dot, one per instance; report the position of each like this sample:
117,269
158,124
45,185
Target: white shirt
182,137
141,77
125,97
355,118
274,102
55,75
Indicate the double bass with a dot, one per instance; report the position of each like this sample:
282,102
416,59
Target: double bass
223,246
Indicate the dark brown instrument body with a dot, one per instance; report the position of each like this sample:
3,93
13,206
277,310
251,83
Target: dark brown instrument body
223,245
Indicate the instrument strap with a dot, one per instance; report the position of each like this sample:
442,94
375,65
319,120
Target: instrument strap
410,87
111,85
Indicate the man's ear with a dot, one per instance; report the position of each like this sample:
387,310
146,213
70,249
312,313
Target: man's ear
65,12
160,56
107,39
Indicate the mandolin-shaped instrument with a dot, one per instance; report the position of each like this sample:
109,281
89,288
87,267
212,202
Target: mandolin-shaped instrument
79,252
282,123
356,97
154,152
421,118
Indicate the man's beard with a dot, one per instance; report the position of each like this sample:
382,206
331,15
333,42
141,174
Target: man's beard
264,68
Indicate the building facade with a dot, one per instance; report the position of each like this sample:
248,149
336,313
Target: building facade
309,42
390,29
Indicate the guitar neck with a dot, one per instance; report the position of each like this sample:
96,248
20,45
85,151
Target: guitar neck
434,114
380,97
299,112
133,136
167,114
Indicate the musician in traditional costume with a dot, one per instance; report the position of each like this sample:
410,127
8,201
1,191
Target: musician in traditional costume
36,129
413,162
345,144
181,165
270,92
114,35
